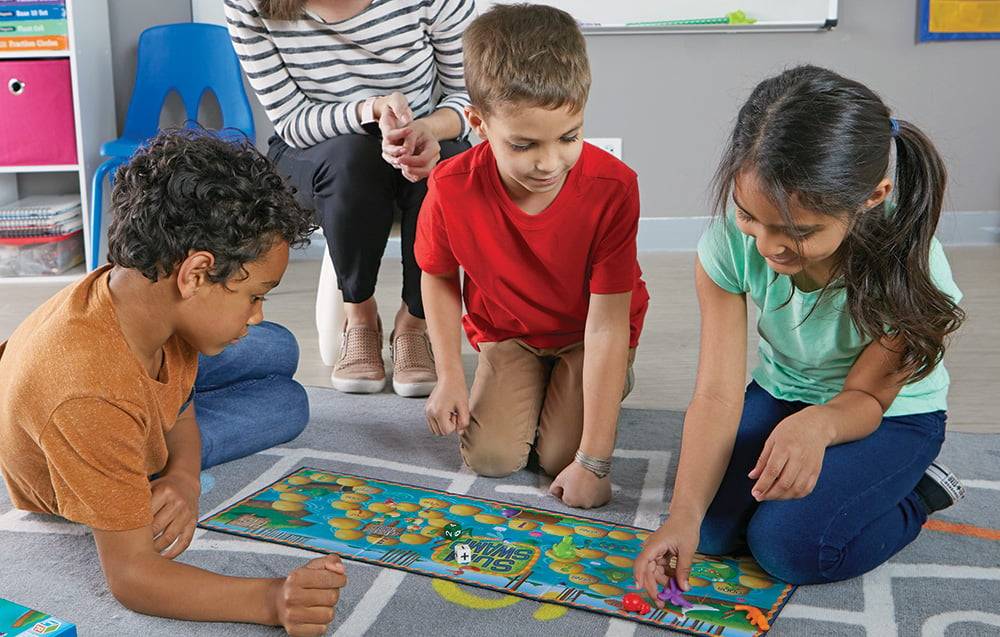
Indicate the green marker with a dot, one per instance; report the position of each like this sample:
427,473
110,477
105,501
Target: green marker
734,17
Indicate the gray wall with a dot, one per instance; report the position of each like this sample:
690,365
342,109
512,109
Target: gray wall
129,18
672,98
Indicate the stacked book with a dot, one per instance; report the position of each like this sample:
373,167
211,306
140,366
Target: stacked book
41,216
33,25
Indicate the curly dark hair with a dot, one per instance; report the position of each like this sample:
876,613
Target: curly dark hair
188,189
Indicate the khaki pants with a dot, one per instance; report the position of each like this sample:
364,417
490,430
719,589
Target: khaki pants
525,396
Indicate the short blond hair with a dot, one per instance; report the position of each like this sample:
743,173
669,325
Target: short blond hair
526,53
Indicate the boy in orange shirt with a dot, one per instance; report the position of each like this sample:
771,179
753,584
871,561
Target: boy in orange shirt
98,388
544,228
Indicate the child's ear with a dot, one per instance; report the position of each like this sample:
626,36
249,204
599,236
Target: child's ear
476,120
192,273
880,194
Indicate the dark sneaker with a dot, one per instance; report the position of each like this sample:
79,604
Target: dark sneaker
939,488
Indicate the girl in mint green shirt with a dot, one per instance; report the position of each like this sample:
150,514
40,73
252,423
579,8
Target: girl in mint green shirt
823,467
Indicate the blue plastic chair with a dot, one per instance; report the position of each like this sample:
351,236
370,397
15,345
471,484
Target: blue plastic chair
191,59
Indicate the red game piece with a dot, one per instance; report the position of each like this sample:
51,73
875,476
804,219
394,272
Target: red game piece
634,604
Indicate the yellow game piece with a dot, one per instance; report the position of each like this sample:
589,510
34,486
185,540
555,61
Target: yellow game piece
492,520
344,523
345,506
590,531
293,497
522,525
556,529
607,590
464,509
348,534
566,568
414,538
282,505
408,507
432,503
350,482
623,536
619,560
355,497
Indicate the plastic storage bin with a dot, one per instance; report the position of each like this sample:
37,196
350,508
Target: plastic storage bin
35,256
36,113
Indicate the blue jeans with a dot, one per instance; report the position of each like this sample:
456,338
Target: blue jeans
245,399
861,512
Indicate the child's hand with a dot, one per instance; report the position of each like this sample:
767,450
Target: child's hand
447,408
303,603
790,463
676,538
578,487
175,513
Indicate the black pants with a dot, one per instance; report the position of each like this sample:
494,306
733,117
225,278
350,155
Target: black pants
355,194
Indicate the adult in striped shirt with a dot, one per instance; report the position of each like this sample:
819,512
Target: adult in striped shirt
366,96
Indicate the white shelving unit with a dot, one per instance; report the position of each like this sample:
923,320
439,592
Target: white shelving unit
89,56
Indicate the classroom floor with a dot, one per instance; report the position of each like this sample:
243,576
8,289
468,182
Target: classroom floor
667,356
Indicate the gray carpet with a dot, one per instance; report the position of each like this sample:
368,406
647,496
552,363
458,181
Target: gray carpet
944,584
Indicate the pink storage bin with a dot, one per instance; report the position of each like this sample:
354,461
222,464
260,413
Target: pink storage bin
36,113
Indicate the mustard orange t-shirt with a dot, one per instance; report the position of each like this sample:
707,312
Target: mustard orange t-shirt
83,425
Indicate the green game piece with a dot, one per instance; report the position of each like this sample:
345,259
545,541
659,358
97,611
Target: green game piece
565,550
452,531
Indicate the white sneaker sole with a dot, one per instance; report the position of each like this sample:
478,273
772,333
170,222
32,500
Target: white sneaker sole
357,386
413,390
947,480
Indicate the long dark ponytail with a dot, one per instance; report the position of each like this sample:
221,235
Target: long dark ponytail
827,140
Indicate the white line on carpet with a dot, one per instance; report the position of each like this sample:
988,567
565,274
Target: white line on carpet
938,625
982,484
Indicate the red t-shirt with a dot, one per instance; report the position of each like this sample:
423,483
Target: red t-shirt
531,276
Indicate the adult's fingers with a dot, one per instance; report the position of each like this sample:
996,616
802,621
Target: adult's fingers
317,578
782,487
683,570
762,460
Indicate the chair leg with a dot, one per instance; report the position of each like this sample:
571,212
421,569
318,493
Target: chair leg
96,208
329,312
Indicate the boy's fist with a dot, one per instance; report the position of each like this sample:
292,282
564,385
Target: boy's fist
304,601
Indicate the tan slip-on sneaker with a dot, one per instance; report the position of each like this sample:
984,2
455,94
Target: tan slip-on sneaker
413,373
360,369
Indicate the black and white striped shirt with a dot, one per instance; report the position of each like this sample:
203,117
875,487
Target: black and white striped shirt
310,75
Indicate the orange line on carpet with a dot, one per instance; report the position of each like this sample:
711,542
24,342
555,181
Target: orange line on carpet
963,529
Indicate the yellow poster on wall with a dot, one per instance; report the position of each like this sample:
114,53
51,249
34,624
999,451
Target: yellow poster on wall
960,19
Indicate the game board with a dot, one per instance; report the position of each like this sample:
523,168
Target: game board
533,553
17,620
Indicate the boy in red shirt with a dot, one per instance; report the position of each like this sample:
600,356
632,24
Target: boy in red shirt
544,227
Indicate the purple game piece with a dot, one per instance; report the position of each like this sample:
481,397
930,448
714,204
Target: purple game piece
672,593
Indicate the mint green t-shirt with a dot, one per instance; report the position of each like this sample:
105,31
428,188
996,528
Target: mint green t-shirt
808,360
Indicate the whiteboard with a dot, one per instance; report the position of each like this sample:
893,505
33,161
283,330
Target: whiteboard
622,16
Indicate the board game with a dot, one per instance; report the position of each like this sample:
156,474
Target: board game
533,553
21,620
